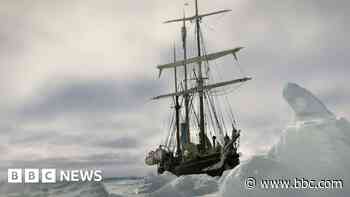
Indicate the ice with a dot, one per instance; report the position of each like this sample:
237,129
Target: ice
155,182
305,105
53,190
124,186
191,185
315,146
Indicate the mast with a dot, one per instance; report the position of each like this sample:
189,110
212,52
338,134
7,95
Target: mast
186,96
177,110
200,85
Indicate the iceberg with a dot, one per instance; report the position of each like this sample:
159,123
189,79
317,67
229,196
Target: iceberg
316,146
304,104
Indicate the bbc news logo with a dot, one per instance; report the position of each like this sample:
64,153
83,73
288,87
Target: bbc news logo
33,175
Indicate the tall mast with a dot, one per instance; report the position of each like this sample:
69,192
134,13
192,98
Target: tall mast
186,96
200,86
177,110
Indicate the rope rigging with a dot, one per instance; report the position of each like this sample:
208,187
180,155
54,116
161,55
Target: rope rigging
219,117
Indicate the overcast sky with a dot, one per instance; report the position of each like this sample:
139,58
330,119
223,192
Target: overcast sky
77,75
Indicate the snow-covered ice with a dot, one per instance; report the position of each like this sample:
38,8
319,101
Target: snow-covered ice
315,146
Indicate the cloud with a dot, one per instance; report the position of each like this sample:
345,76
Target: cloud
53,138
120,143
3,149
90,161
88,98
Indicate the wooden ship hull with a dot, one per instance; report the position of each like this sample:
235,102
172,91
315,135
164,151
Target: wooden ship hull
203,165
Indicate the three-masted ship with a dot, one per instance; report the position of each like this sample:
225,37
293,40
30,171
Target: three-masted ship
216,147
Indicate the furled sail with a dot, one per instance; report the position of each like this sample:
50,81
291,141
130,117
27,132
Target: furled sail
206,87
208,57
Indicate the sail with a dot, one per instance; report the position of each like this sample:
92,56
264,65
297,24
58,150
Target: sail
206,87
195,17
208,57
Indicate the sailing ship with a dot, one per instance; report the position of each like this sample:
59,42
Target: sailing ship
198,141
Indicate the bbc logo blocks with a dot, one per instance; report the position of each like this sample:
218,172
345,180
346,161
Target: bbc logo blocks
34,175
31,175
14,175
48,175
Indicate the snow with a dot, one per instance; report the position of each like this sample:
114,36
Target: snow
192,185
